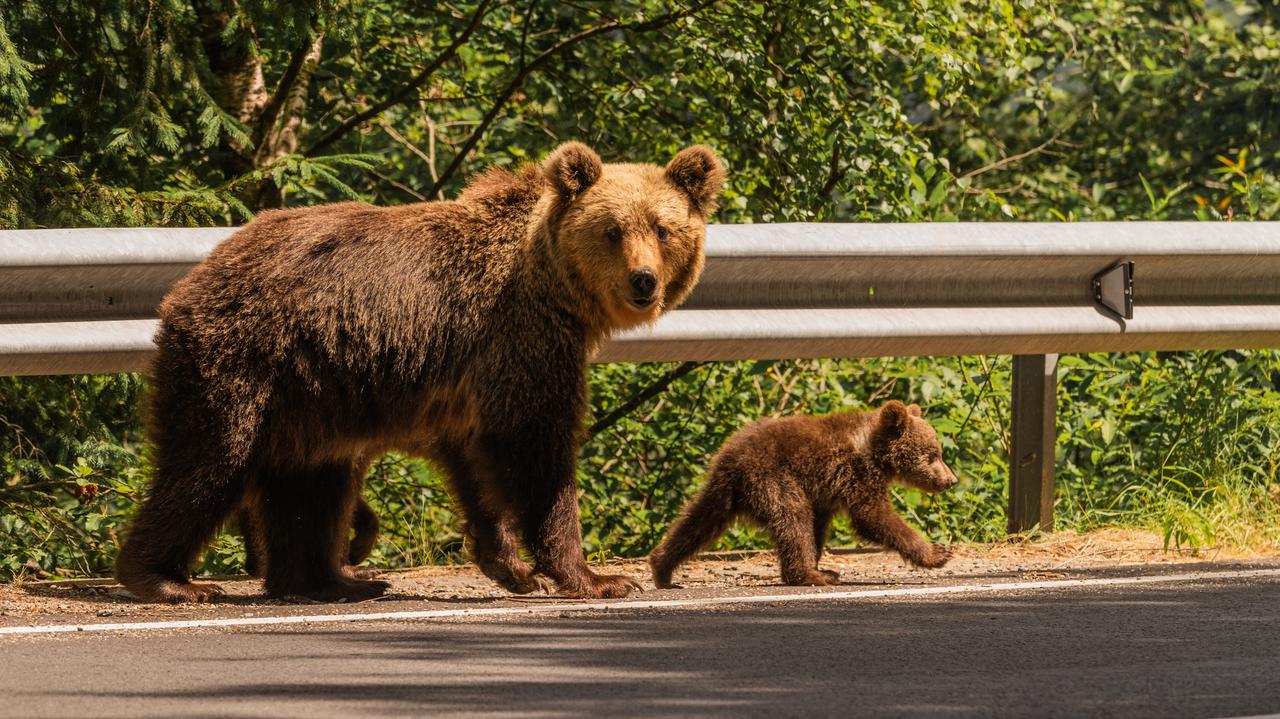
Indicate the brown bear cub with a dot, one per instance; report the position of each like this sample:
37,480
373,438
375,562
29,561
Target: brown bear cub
314,340
792,474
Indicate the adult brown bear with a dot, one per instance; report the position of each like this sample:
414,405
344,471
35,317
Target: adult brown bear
314,340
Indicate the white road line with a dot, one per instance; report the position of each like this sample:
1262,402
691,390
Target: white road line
643,604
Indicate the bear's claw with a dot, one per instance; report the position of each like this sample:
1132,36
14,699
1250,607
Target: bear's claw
184,593
360,573
603,586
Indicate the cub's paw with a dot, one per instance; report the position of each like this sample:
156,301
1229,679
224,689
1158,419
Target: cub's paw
936,556
603,586
833,575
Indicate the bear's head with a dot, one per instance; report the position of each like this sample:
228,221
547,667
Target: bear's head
907,448
631,235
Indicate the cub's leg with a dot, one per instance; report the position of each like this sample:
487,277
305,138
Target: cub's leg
879,523
489,525
535,470
821,526
791,525
704,519
194,487
305,519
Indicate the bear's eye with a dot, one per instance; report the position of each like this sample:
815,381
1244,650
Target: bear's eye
614,234
662,234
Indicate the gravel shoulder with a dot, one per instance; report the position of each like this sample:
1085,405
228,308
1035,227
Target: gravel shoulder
1062,555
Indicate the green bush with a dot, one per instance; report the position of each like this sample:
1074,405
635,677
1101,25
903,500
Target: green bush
173,112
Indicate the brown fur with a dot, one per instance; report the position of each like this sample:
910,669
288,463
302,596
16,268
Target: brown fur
793,474
364,527
313,340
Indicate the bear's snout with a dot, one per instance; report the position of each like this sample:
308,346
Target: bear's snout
644,282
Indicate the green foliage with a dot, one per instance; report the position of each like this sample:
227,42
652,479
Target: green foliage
177,112
69,470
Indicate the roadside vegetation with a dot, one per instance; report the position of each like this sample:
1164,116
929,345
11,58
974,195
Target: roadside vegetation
204,112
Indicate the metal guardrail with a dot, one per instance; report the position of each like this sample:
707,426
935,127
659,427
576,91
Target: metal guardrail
77,301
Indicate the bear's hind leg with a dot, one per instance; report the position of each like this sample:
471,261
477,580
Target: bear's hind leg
305,519
365,524
821,527
706,517
187,503
251,537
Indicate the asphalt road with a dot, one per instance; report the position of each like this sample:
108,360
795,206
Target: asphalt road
1207,648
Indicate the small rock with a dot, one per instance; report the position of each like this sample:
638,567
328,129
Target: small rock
105,612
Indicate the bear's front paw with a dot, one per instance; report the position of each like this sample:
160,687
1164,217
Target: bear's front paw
936,556
527,583
340,590
602,586
360,573
813,578
182,593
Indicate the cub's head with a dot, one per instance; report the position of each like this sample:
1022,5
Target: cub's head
631,235
908,448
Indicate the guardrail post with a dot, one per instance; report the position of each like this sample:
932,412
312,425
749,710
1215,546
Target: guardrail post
1035,382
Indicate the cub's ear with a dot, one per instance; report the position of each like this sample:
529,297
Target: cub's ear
698,172
893,418
572,168
913,410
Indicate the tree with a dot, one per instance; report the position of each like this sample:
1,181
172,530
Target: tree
204,112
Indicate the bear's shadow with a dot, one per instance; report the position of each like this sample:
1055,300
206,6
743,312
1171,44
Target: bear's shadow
108,592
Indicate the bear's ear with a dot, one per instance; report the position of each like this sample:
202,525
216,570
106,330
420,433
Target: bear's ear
893,418
913,410
698,172
572,168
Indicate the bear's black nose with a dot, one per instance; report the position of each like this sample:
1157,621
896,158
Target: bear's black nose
643,283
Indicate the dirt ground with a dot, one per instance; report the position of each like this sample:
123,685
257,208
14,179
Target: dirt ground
1060,555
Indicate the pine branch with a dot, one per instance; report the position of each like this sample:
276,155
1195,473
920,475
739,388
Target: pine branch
408,89
542,59
644,395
